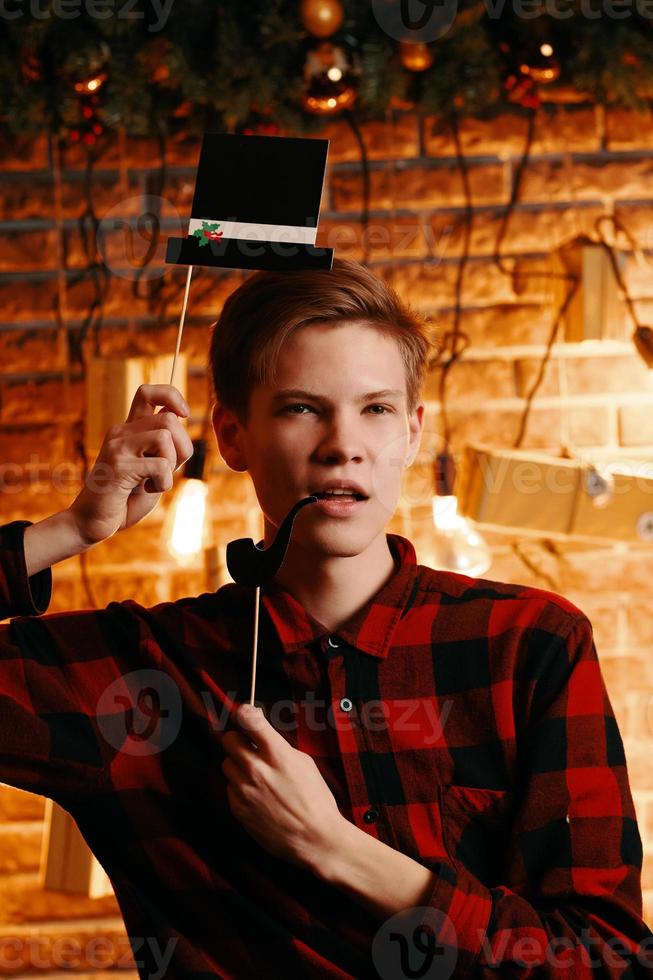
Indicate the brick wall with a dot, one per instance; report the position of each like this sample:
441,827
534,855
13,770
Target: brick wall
584,160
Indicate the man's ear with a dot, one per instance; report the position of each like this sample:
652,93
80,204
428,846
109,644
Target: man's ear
228,432
415,429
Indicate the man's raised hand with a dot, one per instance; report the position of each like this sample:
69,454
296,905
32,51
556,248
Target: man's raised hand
135,464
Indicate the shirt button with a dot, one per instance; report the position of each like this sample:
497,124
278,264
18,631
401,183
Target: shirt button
333,642
371,815
346,704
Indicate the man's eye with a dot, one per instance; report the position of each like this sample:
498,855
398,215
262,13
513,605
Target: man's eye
292,409
298,405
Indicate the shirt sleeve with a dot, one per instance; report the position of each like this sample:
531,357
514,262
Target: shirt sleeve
571,904
57,673
20,595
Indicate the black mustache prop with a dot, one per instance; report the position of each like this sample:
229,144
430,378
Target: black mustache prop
250,565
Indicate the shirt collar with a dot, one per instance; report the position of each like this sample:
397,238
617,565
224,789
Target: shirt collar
371,629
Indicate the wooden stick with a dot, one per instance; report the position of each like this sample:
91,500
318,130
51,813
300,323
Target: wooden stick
258,589
181,322
255,644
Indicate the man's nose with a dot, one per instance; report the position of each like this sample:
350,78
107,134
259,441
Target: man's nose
342,439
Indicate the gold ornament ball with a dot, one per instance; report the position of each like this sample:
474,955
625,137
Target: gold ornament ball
415,56
322,18
542,65
329,105
331,78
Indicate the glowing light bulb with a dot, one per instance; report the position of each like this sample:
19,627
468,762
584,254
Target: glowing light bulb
456,546
187,525
546,50
186,529
335,74
92,84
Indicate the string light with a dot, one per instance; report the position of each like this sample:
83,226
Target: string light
91,85
186,525
456,545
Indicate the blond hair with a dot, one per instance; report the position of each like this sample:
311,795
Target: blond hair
268,307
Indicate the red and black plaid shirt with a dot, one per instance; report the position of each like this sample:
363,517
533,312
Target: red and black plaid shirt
462,721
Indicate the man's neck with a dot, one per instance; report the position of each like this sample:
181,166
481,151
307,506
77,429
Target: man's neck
334,589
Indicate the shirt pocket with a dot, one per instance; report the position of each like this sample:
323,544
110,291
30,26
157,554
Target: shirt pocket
476,827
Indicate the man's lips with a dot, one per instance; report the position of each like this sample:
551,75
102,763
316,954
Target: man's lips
346,485
340,506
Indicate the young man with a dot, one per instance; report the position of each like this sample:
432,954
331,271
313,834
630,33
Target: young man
436,785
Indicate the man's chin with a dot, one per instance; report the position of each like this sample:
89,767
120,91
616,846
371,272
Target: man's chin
338,538
316,531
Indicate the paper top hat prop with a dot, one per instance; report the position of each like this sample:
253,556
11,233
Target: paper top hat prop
256,204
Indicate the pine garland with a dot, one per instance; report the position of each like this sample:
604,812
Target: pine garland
216,61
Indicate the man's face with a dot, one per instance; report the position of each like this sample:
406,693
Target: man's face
293,444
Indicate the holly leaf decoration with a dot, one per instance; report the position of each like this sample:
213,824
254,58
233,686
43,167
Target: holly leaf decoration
208,232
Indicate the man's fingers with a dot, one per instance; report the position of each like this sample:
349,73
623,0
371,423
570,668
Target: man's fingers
149,397
255,726
144,431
